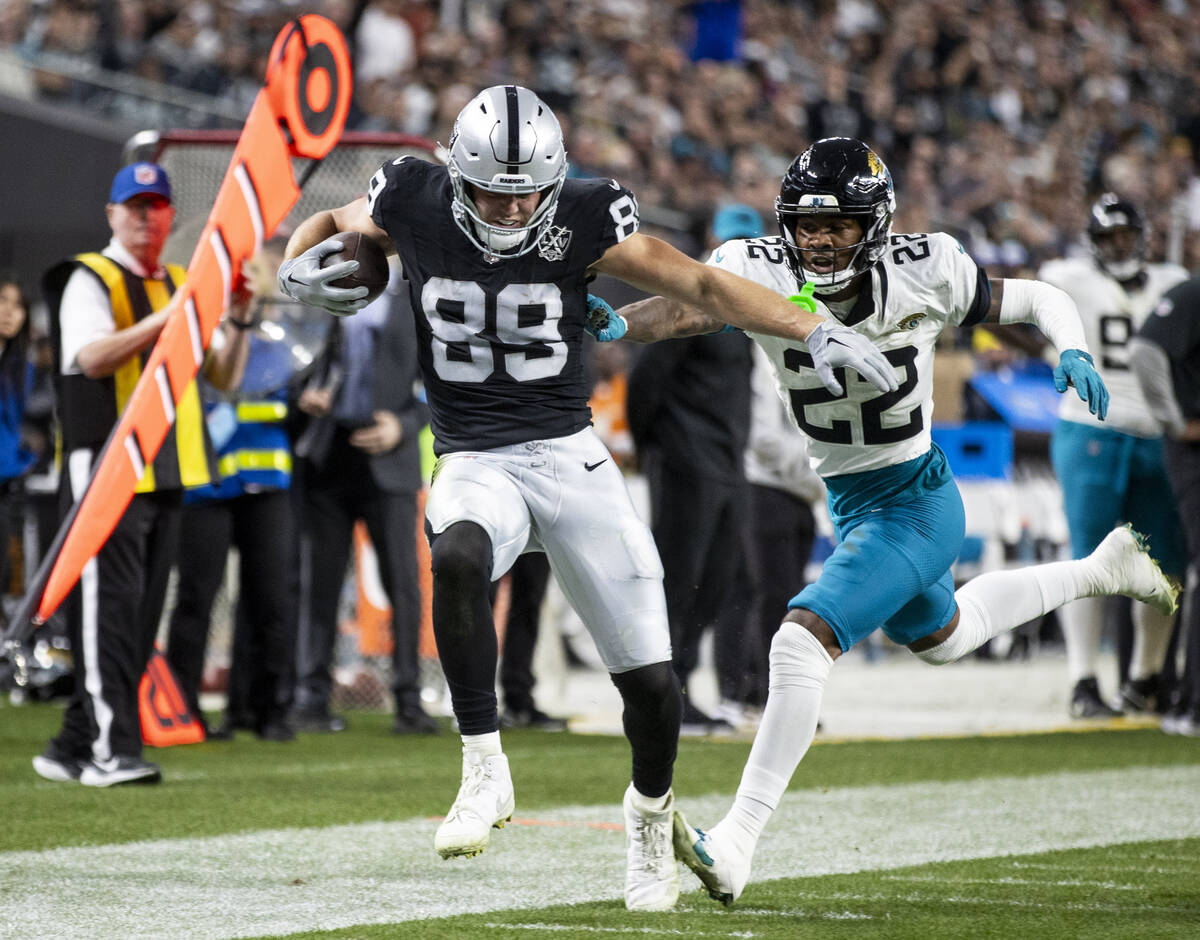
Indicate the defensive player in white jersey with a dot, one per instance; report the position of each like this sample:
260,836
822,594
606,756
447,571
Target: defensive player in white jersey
497,248
896,509
1114,471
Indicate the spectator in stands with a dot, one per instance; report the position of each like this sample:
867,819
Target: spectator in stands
689,414
248,508
359,458
1112,471
1166,360
107,309
16,374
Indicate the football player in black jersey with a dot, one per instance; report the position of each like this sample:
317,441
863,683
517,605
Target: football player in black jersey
497,248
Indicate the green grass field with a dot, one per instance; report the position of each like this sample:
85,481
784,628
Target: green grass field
1059,835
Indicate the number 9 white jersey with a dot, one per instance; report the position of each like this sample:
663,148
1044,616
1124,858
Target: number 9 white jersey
1111,316
923,283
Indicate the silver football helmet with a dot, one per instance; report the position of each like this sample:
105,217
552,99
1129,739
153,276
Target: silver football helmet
506,140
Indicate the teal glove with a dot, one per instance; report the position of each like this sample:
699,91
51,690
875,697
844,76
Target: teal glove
1075,368
604,323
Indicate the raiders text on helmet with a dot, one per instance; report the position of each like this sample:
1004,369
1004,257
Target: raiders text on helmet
1123,258
506,140
837,176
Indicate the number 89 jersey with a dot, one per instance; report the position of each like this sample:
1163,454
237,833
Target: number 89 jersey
499,342
923,283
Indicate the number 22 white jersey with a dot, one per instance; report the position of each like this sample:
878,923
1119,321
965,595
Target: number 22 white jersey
923,283
1111,317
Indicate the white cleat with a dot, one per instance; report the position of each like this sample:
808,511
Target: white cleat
651,875
1127,568
717,862
484,801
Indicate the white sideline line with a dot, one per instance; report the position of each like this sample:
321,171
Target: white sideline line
285,881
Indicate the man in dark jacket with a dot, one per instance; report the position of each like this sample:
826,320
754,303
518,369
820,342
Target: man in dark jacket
358,458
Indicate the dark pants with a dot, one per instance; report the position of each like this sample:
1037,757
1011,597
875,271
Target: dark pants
260,677
530,576
333,498
699,526
112,617
1183,468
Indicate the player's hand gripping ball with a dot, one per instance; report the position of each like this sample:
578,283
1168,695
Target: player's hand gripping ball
372,271
340,274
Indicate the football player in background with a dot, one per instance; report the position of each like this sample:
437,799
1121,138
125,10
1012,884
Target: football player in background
1114,471
895,506
497,248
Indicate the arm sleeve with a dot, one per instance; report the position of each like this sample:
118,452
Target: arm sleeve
84,315
1051,310
970,289
1152,367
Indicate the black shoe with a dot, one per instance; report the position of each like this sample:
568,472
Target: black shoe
1143,696
413,720
531,717
695,722
276,730
1087,703
320,722
118,770
53,764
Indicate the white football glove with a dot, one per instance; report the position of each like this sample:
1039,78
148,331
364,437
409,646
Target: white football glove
302,278
833,345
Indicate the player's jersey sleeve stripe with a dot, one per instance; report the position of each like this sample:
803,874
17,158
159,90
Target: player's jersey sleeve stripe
982,302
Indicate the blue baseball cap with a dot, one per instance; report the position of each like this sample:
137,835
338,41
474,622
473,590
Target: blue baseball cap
138,178
736,221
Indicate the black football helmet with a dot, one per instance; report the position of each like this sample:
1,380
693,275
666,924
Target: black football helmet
837,176
1123,259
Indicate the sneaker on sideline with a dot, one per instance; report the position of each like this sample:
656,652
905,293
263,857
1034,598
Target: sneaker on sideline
53,764
694,723
485,800
1087,703
1143,696
651,875
720,866
531,717
119,770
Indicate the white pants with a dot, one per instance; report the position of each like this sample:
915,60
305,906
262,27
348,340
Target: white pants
566,497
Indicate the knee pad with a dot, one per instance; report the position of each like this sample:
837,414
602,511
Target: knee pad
462,555
798,659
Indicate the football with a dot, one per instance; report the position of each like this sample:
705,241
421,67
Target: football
372,270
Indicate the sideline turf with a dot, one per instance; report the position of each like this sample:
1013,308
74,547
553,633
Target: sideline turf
366,773
1149,890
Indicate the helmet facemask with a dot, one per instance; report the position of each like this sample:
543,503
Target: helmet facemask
506,141
863,254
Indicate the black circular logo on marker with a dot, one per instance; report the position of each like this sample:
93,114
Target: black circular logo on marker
319,56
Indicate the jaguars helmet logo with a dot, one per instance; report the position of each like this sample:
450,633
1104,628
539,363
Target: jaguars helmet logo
876,165
911,321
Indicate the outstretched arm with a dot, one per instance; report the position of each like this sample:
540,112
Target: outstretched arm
718,297
658,318
1053,312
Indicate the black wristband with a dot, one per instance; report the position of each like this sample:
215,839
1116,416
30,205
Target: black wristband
238,324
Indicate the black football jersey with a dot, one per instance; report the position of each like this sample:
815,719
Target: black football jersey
499,343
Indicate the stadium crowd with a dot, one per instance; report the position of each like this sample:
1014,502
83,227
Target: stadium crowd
1000,120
